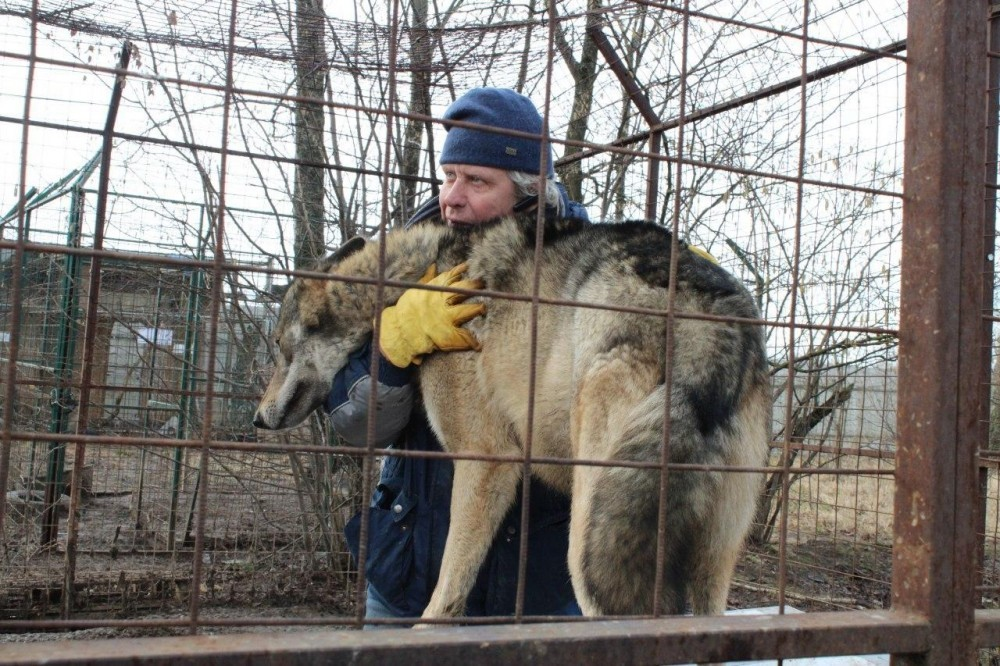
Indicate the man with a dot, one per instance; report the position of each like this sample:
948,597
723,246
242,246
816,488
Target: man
486,175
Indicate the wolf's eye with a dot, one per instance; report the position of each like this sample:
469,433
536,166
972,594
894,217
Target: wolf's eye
310,328
286,355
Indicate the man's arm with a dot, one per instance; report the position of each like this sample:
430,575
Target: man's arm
421,322
348,404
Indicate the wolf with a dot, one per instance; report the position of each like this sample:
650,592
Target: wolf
613,393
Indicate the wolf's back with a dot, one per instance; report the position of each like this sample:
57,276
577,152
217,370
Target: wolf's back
717,348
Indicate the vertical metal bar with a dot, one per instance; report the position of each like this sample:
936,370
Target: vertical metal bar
793,305
368,466
10,374
989,261
660,575
939,428
528,444
185,411
90,330
645,108
141,485
61,401
215,307
60,396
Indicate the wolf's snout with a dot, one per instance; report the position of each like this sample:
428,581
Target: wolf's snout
261,421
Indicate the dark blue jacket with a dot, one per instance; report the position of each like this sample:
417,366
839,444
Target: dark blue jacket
409,511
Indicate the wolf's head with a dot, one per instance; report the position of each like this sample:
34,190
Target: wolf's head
322,321
319,325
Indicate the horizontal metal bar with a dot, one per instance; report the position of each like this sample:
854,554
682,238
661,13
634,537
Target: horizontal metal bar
662,641
176,262
594,148
695,115
284,447
987,628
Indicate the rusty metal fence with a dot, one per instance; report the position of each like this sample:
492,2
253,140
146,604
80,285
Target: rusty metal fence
839,158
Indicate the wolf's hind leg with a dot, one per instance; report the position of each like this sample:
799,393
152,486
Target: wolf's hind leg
720,540
711,577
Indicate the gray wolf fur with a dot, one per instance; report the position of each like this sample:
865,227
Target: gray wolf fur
600,395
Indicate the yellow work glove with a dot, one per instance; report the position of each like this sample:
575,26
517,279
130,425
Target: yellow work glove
423,321
703,253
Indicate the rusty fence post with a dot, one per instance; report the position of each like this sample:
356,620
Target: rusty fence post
940,369
989,264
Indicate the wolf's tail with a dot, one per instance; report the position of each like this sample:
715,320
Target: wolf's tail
706,516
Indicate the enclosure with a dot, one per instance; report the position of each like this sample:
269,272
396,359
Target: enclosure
167,168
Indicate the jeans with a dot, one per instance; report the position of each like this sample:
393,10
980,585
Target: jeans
376,608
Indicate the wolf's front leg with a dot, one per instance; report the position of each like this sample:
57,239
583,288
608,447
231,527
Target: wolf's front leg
481,495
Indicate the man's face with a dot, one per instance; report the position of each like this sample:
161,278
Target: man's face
475,194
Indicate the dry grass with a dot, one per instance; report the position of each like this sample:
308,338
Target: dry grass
839,527
847,505
835,534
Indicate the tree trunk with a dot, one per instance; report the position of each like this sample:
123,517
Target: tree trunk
994,436
421,50
310,77
802,425
583,97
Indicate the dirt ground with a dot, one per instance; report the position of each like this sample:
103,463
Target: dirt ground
814,581
257,566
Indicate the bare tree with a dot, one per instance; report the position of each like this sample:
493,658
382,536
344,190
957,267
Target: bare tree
583,71
310,79
846,285
421,51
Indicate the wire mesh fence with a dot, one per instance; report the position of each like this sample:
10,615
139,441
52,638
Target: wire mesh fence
146,242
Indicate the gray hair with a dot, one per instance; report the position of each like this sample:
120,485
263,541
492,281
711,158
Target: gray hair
526,185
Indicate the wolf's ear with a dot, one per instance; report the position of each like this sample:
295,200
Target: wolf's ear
277,291
344,251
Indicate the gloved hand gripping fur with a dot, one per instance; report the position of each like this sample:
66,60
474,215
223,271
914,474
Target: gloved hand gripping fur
423,321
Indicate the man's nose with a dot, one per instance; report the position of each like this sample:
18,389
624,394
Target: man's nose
454,196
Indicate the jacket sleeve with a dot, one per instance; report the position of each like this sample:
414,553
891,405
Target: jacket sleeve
347,404
571,209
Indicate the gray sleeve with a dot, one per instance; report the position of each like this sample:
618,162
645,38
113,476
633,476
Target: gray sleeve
393,407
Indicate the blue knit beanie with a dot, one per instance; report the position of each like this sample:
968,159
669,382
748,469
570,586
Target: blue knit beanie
501,108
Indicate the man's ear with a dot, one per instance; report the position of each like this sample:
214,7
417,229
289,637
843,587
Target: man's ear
344,251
